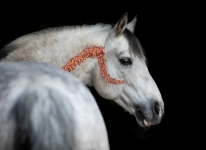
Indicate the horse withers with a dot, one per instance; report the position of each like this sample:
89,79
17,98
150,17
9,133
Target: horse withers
108,58
42,107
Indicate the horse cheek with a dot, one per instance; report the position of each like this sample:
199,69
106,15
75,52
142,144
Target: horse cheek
102,87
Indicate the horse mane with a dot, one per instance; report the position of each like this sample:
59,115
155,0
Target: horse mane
74,28
134,43
51,30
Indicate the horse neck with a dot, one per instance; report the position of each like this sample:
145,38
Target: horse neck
83,39
59,45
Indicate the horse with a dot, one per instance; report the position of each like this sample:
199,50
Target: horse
41,109
109,58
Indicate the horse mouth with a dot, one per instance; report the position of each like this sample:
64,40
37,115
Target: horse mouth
141,120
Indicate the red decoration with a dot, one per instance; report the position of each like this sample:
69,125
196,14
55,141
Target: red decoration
94,51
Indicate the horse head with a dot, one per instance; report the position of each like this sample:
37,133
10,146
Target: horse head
125,60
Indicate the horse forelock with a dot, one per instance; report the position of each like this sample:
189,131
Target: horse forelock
135,45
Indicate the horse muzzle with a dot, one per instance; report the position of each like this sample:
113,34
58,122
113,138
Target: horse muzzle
149,115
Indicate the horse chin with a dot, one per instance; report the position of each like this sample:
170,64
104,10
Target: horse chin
141,120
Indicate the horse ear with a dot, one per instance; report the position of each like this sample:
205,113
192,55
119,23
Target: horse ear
120,26
131,25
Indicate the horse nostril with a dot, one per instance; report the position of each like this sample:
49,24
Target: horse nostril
156,109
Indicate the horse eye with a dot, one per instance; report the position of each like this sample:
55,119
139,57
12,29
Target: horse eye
125,61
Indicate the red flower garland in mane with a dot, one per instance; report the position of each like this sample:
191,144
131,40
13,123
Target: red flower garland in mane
94,51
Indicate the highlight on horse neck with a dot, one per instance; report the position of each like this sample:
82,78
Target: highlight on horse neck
94,51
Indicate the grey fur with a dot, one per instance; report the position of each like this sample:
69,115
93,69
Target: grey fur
6,50
57,46
37,114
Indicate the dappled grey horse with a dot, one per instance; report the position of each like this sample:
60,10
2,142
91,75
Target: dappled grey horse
109,58
42,107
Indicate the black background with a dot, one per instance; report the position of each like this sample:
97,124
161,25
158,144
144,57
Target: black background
161,29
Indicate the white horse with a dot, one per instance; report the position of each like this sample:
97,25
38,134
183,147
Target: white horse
43,107
109,58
